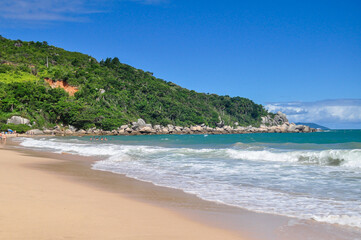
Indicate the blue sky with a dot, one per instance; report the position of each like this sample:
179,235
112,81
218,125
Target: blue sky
273,52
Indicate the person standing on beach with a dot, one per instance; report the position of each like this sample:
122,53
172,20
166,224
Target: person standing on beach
3,137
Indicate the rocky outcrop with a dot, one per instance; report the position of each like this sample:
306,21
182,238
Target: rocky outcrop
286,127
18,120
278,119
82,131
144,129
277,124
140,124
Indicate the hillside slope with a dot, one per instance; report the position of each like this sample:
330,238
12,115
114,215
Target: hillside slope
104,94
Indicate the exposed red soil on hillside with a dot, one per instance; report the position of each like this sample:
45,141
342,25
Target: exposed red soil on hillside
62,84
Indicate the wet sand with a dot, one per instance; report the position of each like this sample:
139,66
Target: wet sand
58,196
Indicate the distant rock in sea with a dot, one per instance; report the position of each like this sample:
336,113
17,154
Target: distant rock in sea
313,125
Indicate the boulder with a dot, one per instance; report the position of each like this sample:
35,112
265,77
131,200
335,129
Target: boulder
35,132
220,124
278,119
47,131
170,128
284,127
138,123
253,129
157,128
240,129
307,129
178,128
97,131
282,117
208,129
165,130
129,130
58,132
72,128
228,128
69,132
300,127
266,119
81,131
135,127
196,128
291,128
219,130
278,129
146,130
124,127
186,130
18,120
141,122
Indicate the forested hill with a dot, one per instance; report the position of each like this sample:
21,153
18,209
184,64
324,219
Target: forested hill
107,93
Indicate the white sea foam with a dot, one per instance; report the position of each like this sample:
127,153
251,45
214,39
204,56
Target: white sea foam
353,221
257,178
346,158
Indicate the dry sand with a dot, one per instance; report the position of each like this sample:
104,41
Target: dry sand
37,204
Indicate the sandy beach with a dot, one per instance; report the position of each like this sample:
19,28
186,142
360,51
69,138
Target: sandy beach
59,196
36,204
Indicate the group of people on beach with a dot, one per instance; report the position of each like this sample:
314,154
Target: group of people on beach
9,133
98,138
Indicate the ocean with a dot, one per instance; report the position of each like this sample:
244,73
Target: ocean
303,175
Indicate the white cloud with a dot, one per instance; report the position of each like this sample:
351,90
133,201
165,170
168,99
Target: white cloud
50,10
337,113
58,10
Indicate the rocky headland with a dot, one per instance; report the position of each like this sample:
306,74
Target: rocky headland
278,123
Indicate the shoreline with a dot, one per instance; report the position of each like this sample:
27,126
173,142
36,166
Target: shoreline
230,221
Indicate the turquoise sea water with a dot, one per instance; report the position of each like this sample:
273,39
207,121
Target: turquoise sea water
305,175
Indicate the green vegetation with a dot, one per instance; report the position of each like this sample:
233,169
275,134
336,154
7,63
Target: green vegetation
110,93
20,128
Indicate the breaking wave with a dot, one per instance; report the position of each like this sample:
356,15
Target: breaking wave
340,157
252,176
